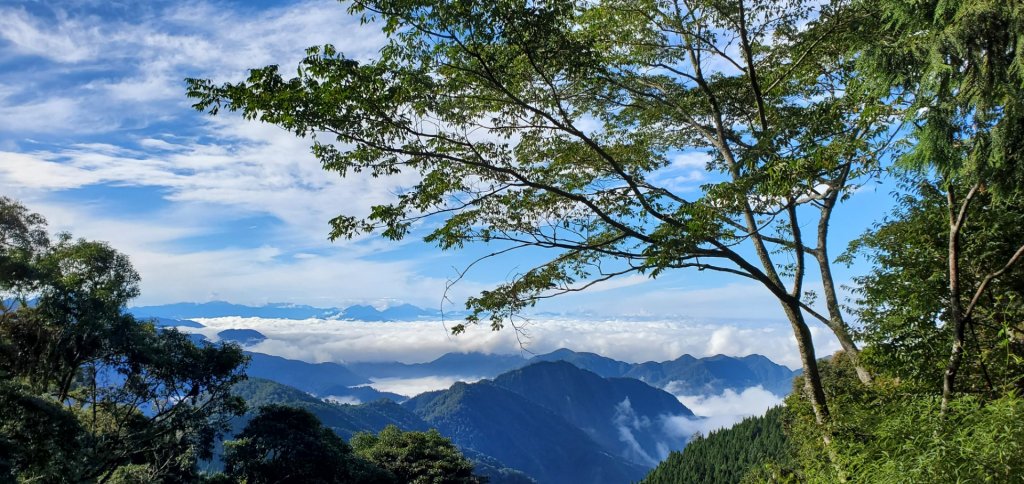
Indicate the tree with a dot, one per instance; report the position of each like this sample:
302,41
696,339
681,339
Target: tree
87,389
554,125
289,444
906,324
958,68
416,457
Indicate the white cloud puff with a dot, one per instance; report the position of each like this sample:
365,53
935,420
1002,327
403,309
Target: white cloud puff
415,386
720,411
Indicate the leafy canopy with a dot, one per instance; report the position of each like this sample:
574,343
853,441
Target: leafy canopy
90,393
416,457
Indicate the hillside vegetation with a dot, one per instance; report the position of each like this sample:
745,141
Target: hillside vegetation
729,455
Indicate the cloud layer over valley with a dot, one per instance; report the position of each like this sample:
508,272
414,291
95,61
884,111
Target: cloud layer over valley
318,340
719,411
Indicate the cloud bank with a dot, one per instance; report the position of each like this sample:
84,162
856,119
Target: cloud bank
414,386
318,340
720,411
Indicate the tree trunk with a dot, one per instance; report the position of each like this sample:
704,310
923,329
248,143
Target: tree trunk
956,317
836,321
812,378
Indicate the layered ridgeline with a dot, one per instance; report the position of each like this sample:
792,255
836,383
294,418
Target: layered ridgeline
686,375
623,415
732,455
550,421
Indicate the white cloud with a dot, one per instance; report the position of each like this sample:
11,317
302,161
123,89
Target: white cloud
751,401
52,113
254,168
66,40
731,340
128,71
344,400
626,421
693,160
415,386
719,411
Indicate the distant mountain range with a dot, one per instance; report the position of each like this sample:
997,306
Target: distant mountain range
563,416
620,414
685,375
220,309
689,375
551,421
347,420
479,365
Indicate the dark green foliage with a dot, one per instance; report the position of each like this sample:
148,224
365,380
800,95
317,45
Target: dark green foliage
903,301
37,437
287,444
727,455
894,432
494,471
88,392
415,457
348,420
956,69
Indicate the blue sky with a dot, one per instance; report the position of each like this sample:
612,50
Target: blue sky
97,135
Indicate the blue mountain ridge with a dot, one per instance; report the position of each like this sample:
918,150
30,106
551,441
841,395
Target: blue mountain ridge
521,434
171,323
623,415
450,364
686,375
244,337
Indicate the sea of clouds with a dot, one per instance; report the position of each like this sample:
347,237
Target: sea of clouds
320,340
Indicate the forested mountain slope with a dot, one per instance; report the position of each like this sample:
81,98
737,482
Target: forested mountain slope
726,456
520,433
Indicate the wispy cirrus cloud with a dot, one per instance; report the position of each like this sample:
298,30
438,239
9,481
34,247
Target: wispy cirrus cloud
62,39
